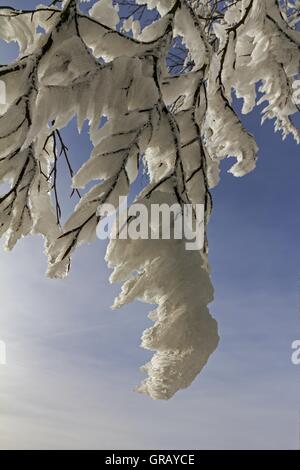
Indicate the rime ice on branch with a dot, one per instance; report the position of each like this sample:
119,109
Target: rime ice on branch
163,73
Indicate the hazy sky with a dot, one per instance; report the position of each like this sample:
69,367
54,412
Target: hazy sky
72,363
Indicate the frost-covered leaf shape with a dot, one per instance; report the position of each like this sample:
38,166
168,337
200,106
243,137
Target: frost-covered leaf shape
184,334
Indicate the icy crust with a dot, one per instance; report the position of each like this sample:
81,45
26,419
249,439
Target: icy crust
184,334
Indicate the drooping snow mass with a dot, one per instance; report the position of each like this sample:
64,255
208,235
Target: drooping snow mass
108,63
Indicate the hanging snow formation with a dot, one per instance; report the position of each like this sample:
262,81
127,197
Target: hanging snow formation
166,91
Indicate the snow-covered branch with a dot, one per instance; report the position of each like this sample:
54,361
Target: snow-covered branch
155,79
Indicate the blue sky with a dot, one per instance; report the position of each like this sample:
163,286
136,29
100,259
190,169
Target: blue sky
72,363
